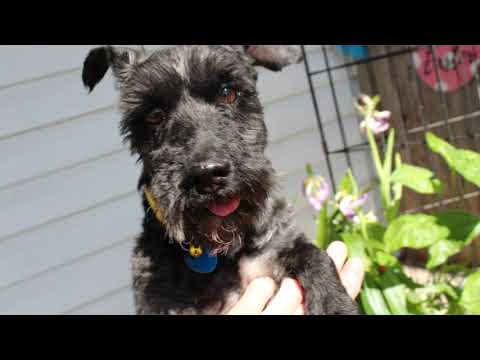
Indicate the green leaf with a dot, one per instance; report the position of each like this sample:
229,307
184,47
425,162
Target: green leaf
464,162
384,259
376,231
414,231
470,298
439,252
348,184
416,308
356,248
417,179
418,304
394,292
464,227
372,300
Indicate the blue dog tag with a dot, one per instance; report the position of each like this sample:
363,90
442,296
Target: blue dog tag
204,264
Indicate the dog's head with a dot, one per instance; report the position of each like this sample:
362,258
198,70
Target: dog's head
193,116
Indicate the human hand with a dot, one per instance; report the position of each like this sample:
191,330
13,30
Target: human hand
258,300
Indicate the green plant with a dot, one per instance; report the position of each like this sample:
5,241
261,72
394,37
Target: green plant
387,289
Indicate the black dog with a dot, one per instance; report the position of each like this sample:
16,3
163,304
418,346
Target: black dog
211,225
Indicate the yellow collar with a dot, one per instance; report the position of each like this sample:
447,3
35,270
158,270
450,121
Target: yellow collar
194,251
158,211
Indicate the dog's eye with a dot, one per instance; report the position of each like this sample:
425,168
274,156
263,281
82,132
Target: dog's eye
228,95
156,117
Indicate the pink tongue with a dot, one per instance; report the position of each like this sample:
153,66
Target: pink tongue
224,209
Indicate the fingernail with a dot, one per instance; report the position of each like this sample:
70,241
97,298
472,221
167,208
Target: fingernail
337,245
337,248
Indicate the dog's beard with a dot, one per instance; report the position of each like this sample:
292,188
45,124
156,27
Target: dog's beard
220,234
189,220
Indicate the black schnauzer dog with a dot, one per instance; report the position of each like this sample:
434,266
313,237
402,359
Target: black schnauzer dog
212,223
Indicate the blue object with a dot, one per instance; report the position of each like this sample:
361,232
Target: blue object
358,52
205,264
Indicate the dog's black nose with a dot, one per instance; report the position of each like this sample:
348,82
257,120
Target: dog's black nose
208,177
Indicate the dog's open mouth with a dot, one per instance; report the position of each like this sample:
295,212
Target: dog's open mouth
224,208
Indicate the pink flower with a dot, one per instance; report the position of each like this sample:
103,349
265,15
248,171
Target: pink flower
317,191
378,123
349,206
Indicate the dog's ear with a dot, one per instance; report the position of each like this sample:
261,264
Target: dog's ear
99,60
95,66
274,57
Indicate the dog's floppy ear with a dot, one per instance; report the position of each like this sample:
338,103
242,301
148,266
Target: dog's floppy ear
99,60
274,57
96,65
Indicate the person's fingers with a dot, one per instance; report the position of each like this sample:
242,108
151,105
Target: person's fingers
255,298
288,299
338,252
352,277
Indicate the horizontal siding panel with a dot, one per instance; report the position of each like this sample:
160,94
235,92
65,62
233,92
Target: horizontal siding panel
120,303
23,62
48,101
290,155
46,199
40,152
290,116
296,113
65,288
64,241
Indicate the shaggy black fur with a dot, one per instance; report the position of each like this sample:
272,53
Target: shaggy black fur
197,149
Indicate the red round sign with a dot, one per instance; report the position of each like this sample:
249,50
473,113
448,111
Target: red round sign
456,65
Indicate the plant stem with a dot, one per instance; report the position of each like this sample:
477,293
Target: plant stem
382,176
375,154
323,228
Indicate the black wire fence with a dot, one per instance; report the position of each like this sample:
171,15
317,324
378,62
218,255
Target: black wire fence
428,88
